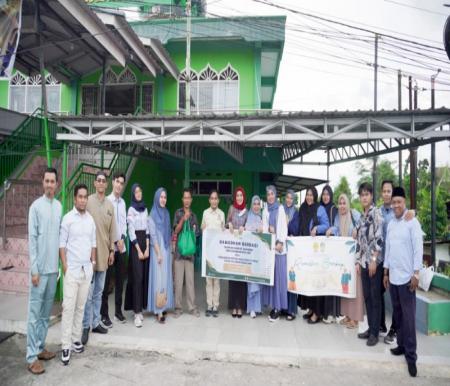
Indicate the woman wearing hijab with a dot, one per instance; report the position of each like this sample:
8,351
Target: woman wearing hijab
310,220
289,209
332,304
236,219
137,286
275,222
160,296
254,224
345,226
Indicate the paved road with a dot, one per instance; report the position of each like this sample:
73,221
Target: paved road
112,367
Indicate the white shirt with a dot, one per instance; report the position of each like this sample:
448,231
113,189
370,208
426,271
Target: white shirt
120,214
137,221
77,236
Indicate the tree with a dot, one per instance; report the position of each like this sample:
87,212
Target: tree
342,187
424,212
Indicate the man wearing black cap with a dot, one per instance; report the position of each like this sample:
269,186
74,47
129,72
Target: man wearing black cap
403,259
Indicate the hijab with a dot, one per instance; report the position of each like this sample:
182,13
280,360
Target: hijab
308,213
138,205
161,217
346,220
235,204
290,210
254,220
273,208
330,208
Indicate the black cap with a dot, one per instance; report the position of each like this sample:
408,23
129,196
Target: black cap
101,173
398,192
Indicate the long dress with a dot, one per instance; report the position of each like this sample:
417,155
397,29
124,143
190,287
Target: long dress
314,303
352,308
292,298
275,296
136,294
161,279
253,289
237,290
331,304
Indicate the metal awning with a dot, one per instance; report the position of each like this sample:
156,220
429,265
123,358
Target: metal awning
295,133
284,182
76,42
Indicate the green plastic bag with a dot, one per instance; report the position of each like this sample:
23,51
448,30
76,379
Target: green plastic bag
186,240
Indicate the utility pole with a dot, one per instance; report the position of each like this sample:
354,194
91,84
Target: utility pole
433,177
374,179
410,91
187,164
416,89
375,78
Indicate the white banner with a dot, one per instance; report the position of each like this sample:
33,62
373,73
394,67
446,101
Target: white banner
318,266
248,257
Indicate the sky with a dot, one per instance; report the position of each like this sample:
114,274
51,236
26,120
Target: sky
306,84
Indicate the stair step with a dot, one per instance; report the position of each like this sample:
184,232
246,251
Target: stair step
8,259
15,280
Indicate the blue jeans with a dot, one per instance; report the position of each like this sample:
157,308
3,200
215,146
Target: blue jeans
94,301
39,307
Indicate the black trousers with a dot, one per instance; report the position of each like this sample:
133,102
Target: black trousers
117,269
404,305
383,311
372,297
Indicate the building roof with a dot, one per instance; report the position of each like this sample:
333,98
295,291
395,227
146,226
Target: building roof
75,41
284,182
266,33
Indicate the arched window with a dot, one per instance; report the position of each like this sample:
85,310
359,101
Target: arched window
25,93
211,91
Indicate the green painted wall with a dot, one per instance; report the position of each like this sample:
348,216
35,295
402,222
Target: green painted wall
4,90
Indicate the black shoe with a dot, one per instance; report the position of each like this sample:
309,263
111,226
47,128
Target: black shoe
119,317
106,322
390,337
364,335
372,341
412,369
274,316
208,312
215,313
100,330
77,347
307,315
383,330
397,351
85,336
65,357
310,321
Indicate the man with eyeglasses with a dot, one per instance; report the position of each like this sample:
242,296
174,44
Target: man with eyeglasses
101,209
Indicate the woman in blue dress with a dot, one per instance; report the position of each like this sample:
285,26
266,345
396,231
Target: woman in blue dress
160,292
289,209
310,220
254,224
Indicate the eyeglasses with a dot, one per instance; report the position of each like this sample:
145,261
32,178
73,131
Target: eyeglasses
101,180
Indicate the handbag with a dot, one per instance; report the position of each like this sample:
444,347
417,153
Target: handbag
425,277
186,240
161,294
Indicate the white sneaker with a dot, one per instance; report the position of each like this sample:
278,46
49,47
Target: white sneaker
253,314
141,316
329,320
137,321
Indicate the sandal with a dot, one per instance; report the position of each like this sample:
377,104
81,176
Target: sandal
352,325
345,321
160,319
290,317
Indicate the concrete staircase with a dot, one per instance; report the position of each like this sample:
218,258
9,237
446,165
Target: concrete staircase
14,206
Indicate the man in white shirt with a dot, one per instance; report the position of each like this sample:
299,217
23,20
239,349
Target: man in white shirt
120,215
77,250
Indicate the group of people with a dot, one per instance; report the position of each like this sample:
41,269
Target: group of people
91,240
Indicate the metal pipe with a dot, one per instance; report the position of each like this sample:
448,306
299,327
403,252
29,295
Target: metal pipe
5,196
64,178
433,203
188,58
375,78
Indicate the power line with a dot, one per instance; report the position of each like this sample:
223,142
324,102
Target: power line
270,4
414,7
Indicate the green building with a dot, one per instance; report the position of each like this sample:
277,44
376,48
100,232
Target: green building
234,68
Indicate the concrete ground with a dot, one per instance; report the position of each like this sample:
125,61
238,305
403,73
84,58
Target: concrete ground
224,351
100,366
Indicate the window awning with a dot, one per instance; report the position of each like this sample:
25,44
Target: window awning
297,184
